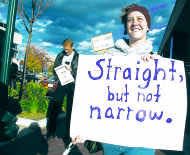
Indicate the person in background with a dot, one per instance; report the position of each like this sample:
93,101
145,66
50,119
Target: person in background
136,21
13,73
69,58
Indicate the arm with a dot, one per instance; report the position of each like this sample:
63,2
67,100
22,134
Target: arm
57,62
74,65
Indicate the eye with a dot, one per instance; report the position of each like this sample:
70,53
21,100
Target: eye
129,19
140,19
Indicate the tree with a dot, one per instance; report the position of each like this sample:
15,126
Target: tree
28,19
38,60
34,63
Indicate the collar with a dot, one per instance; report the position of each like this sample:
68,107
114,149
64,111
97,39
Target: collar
141,49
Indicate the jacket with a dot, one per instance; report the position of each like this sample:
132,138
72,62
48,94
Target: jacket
74,64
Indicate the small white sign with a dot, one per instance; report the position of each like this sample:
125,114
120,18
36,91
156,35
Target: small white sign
64,74
102,42
125,101
17,38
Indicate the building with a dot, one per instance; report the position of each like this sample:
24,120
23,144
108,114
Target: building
176,44
17,39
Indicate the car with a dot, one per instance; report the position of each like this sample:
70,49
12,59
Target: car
51,82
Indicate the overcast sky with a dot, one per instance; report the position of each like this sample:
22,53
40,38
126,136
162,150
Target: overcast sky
83,19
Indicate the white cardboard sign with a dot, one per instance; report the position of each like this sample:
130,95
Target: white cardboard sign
64,74
124,101
102,42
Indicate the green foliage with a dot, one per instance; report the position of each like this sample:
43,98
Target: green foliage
14,92
34,98
34,61
33,116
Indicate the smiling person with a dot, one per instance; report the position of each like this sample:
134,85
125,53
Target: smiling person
136,21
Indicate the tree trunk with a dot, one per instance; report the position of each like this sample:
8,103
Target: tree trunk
24,65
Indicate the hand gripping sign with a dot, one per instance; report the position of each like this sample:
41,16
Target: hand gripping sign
124,101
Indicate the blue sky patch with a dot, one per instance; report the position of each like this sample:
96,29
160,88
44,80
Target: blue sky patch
83,19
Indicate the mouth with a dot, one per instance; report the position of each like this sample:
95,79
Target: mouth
136,29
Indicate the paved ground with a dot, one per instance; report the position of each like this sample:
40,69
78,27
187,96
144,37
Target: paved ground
56,147
31,141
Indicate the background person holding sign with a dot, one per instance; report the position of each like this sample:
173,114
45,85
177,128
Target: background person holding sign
136,21
65,63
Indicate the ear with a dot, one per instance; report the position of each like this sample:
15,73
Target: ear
148,29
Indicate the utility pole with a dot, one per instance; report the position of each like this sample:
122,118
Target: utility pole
9,129
5,60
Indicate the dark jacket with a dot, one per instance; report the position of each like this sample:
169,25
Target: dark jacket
74,63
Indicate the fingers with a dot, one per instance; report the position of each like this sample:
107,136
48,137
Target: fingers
77,139
147,57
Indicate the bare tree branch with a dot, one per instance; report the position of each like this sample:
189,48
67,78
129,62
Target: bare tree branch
38,7
33,9
23,15
42,7
38,11
26,15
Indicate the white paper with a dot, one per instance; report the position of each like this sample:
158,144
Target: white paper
130,122
64,74
102,42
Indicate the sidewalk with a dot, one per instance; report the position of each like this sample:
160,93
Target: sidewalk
31,141
56,147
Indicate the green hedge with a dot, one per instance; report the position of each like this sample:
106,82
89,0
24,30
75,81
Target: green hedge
34,98
14,92
34,102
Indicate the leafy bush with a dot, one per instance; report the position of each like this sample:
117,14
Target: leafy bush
14,93
34,98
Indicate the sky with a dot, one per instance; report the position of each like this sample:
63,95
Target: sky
83,19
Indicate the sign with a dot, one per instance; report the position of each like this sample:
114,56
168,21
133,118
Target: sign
17,38
125,101
64,74
102,42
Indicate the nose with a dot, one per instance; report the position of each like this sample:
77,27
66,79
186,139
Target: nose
135,21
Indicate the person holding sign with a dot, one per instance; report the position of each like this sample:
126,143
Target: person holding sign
136,21
65,70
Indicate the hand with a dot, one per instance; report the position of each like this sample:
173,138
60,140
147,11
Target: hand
68,67
77,139
148,57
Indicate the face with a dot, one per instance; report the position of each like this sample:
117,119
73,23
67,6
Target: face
68,48
137,26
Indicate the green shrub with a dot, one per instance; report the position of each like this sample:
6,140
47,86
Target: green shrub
34,98
14,92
